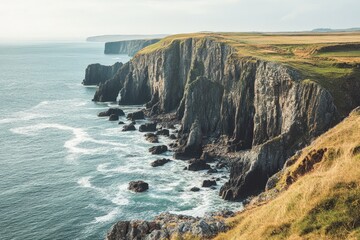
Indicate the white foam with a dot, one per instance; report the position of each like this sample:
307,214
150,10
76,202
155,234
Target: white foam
85,182
80,136
108,217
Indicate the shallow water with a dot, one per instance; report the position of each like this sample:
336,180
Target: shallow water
64,172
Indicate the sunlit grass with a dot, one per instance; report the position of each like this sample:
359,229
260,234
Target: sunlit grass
322,204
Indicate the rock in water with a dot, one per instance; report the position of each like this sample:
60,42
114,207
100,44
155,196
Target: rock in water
138,115
110,111
148,127
208,183
151,137
198,165
195,189
158,149
160,162
129,127
164,132
113,117
172,136
138,186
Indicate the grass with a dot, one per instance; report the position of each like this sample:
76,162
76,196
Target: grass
312,55
323,203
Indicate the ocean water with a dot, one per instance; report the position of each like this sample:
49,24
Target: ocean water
64,172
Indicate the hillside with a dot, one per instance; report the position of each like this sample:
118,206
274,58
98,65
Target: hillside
318,193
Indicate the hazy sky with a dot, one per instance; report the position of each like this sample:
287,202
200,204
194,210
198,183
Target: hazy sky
77,19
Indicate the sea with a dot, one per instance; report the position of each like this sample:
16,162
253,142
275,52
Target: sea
64,172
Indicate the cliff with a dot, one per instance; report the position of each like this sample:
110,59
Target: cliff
129,47
266,109
97,73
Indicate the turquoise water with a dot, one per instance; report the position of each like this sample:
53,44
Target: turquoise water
63,171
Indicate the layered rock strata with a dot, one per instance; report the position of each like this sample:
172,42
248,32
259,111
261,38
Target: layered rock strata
97,73
263,108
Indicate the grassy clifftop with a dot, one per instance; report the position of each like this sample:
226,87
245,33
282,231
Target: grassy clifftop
330,59
319,193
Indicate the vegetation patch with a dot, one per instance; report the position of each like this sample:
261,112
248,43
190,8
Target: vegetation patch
336,215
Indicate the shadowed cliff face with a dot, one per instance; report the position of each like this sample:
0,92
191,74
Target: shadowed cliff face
97,73
263,108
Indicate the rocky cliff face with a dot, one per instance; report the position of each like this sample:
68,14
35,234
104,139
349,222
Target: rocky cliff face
129,47
263,108
97,73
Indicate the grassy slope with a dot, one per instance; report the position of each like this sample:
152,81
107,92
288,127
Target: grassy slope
303,51
321,204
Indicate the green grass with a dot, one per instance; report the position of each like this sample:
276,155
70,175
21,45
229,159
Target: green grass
335,215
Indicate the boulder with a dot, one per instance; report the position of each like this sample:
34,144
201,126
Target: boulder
198,165
172,136
121,122
212,170
138,115
110,111
208,183
164,132
113,117
195,189
138,186
173,145
158,149
129,127
160,162
151,137
148,127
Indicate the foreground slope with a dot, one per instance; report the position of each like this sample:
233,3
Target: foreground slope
318,192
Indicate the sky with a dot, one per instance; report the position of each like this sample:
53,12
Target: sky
32,20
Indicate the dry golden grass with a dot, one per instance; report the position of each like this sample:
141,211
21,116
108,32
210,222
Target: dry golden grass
323,204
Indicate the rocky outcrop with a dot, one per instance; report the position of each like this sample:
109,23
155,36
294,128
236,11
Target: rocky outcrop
129,127
208,183
97,73
129,47
147,127
263,108
170,226
110,111
158,149
160,162
138,115
151,137
198,165
138,186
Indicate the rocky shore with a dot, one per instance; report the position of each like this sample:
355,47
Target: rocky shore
169,226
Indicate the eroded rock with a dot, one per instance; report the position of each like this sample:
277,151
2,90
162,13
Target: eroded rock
138,186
